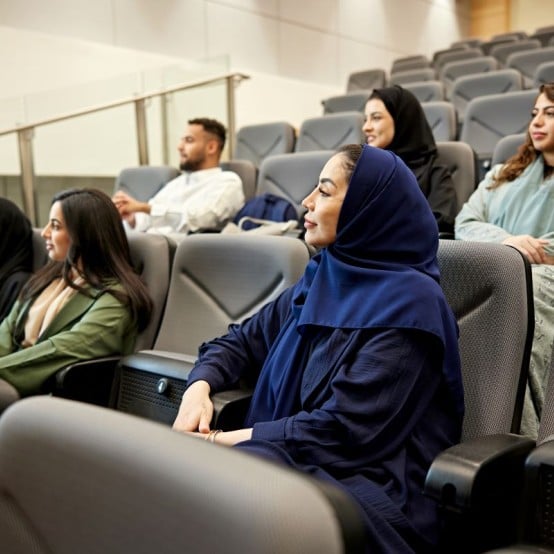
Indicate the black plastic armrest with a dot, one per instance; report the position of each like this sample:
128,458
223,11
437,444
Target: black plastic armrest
88,381
465,474
160,362
446,235
230,408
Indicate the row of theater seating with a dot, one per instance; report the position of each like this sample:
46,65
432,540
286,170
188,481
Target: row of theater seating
211,281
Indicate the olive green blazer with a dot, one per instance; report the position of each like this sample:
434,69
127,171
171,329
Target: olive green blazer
85,328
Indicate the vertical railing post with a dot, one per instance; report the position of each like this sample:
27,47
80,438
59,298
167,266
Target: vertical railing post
165,128
25,145
230,82
142,138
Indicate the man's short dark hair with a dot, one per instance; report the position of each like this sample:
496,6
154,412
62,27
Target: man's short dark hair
213,127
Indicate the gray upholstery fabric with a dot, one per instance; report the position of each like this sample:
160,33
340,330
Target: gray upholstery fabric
412,76
545,36
76,478
329,132
506,147
437,54
292,176
152,256
8,395
351,102
468,42
247,172
257,142
442,119
220,279
453,70
527,62
460,160
410,64
487,46
489,118
502,51
366,80
142,182
544,73
469,87
427,91
486,285
456,55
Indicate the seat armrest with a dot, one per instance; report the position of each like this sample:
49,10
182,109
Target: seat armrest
230,408
160,362
87,381
478,486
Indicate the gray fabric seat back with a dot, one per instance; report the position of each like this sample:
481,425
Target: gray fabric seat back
453,70
461,162
469,87
366,80
502,51
143,182
487,46
442,119
506,147
544,73
489,118
329,132
351,102
412,76
247,172
257,142
467,43
426,91
457,55
438,54
152,258
292,176
410,63
109,482
488,286
544,36
527,62
220,279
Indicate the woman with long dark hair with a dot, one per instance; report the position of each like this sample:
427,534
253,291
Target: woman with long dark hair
87,302
514,205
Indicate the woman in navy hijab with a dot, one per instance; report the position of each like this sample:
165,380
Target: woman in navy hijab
357,365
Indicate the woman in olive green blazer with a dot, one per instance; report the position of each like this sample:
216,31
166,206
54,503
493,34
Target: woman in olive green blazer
87,302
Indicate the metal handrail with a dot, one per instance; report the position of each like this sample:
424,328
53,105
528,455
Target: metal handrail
25,132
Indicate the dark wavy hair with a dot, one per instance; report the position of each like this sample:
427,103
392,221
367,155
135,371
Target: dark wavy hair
526,153
213,127
98,252
350,155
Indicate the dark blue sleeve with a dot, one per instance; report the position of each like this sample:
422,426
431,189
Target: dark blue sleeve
374,401
242,352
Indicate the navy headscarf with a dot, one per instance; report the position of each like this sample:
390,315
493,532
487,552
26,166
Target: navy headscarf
381,272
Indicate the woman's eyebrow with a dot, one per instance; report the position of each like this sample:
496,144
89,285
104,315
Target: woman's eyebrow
327,180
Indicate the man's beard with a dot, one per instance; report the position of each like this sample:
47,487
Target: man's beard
190,165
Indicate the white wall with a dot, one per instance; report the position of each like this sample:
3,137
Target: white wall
296,52
528,15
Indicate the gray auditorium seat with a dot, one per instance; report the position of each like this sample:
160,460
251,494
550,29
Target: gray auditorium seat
544,36
350,102
457,55
489,118
453,70
366,80
256,142
544,73
468,43
247,172
527,62
502,51
426,91
460,159
469,87
487,46
512,35
143,182
328,132
410,64
488,286
82,479
454,48
506,147
292,176
412,76
216,280
442,119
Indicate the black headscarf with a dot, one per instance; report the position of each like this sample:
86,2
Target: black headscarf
16,246
413,139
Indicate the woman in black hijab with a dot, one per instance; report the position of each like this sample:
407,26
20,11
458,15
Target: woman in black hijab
16,253
395,121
